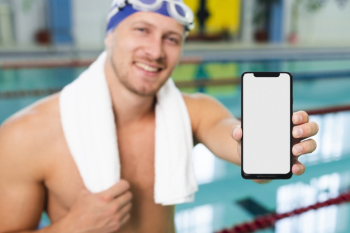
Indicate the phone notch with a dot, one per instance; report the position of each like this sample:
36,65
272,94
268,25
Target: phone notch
266,74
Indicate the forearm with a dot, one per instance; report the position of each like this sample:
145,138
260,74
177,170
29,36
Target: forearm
219,140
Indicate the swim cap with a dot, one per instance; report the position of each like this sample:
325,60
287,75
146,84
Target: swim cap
176,9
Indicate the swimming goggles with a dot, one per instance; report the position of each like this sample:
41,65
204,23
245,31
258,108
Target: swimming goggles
177,9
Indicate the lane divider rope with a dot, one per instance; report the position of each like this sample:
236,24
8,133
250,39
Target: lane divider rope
268,221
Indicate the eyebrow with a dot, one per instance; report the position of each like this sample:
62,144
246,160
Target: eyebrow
152,25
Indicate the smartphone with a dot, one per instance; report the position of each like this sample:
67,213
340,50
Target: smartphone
266,121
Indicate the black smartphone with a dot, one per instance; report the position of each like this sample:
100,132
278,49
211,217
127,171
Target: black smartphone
266,115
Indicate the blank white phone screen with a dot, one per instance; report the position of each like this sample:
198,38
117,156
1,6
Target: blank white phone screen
266,124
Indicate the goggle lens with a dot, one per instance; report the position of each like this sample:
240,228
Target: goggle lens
180,10
148,1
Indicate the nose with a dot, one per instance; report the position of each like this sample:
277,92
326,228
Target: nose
155,48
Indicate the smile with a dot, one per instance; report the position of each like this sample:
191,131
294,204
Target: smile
147,67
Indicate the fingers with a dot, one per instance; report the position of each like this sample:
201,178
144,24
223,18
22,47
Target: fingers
262,181
124,219
119,188
121,201
305,130
298,168
300,117
304,147
236,133
121,218
121,210
125,211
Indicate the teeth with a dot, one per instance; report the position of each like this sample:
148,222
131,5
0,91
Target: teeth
146,67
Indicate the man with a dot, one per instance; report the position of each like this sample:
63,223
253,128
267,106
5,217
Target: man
37,171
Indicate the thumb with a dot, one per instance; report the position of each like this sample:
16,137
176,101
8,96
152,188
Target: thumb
237,133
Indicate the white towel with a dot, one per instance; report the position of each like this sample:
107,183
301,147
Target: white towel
88,123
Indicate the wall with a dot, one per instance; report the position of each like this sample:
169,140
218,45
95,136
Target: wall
29,16
60,12
329,25
6,27
89,22
247,28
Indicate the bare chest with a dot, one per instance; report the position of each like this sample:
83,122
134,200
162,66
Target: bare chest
136,154
136,148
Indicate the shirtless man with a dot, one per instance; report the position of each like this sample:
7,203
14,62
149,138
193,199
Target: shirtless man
37,171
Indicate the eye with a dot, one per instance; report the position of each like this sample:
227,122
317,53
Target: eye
141,29
173,40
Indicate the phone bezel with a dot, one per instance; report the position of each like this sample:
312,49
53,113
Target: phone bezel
268,176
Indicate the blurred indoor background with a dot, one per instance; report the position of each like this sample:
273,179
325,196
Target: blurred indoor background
46,44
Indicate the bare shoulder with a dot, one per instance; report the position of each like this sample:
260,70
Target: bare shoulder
27,133
36,116
204,110
25,140
199,103
196,97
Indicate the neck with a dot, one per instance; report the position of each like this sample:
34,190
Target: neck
128,107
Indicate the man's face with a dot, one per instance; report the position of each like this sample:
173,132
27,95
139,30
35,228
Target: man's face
144,50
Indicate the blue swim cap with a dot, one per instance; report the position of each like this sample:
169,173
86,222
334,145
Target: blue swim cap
176,9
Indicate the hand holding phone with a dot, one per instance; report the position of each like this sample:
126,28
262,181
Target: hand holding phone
301,130
266,150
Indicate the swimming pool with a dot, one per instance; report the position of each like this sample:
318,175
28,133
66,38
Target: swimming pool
224,198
